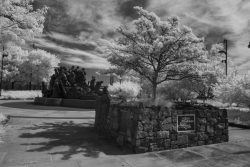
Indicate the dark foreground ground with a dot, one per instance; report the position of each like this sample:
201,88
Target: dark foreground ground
41,136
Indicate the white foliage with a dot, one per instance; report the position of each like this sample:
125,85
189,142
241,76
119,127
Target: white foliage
19,21
39,66
158,49
126,89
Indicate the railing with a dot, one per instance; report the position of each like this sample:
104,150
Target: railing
26,86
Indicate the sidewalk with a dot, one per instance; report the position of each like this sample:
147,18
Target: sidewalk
41,136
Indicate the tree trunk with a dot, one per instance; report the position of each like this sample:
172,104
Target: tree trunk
154,90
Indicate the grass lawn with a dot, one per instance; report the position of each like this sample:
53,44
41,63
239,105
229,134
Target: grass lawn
17,95
238,116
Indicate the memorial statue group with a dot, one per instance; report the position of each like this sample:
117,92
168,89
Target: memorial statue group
71,84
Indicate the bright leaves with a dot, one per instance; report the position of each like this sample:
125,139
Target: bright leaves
157,50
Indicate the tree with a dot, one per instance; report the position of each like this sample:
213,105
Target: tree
157,50
16,56
39,66
19,21
234,89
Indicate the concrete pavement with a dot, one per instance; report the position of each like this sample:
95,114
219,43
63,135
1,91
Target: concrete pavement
41,136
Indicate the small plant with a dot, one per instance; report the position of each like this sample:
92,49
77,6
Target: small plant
16,95
2,117
125,90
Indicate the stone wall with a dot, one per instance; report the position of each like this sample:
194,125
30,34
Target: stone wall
155,128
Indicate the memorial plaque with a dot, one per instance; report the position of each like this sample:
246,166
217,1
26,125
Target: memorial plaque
186,123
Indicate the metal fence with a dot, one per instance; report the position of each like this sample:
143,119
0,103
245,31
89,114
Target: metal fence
17,86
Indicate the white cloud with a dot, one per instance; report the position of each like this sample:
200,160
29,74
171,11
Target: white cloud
77,57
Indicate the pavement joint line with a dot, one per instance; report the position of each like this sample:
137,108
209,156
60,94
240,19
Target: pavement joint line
187,149
19,116
4,153
124,160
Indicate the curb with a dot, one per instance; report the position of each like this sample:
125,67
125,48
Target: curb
239,126
23,116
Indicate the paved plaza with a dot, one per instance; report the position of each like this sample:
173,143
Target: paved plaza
42,136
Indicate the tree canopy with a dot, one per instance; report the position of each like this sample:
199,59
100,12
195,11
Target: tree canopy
157,50
18,20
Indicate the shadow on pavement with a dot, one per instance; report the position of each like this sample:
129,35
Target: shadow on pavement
31,105
68,139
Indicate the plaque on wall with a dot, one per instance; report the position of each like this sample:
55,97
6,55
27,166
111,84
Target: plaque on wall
186,123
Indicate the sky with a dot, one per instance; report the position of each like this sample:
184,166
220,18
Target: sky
73,27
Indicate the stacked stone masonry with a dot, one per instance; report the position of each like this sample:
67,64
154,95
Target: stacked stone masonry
155,128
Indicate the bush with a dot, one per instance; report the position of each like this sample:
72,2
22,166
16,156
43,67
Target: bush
124,90
2,117
238,116
16,95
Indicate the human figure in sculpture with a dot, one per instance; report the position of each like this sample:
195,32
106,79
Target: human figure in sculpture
92,83
97,87
72,78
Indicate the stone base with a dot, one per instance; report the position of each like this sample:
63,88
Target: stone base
75,103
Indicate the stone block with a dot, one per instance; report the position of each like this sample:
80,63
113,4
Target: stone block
173,137
220,112
191,136
167,142
148,128
138,150
152,140
166,112
136,142
225,132
224,138
140,126
201,143
182,139
144,142
216,140
154,122
224,120
226,125
174,128
120,139
212,121
174,146
192,143
174,142
215,114
167,120
163,134
180,112
114,134
202,121
218,133
165,127
140,134
201,128
202,136
220,126
156,128
183,146
129,134
209,142
150,133
210,129
153,147
200,114
209,115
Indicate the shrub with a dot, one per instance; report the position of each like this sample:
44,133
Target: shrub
124,90
16,95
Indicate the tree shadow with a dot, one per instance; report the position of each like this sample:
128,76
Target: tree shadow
68,139
31,105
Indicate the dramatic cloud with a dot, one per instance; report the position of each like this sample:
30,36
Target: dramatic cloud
73,26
